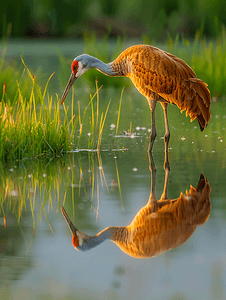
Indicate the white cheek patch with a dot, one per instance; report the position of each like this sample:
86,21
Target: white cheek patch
80,241
81,70
80,66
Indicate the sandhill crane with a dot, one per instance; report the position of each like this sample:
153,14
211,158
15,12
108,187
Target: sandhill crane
159,76
158,227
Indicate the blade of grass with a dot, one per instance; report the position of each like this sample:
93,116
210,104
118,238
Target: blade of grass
118,179
119,112
102,126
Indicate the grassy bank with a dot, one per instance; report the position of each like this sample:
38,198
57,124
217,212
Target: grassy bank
32,127
39,127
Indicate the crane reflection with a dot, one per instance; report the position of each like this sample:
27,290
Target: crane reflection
159,226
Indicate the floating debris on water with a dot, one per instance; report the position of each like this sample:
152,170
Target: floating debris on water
129,134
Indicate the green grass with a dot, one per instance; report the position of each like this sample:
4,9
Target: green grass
38,127
28,129
32,124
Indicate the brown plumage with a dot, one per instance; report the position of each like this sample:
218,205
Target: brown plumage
155,73
158,227
155,231
159,76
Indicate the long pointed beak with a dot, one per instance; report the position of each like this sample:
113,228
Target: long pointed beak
69,85
69,223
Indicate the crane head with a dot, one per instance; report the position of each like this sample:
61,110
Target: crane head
78,67
79,239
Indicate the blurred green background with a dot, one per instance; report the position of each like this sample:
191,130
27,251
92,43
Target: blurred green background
156,19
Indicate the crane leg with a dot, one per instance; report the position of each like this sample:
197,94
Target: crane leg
167,133
152,104
152,198
167,172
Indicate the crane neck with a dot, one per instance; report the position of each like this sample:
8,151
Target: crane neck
104,68
108,233
111,69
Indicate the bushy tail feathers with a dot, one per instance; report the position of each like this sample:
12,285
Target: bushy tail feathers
202,194
202,99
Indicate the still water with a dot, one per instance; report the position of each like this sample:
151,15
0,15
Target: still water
37,258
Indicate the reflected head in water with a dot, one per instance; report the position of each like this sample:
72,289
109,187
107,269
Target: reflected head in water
158,227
